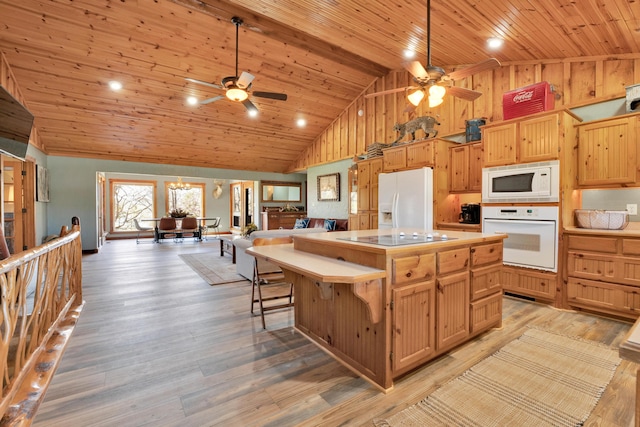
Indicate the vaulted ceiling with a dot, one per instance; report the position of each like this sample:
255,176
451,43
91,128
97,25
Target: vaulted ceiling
321,53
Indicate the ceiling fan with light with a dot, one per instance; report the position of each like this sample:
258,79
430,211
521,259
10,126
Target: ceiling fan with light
237,87
434,81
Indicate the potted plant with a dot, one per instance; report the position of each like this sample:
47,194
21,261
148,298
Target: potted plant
250,228
178,213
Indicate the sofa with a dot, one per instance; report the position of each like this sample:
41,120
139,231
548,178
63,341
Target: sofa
244,261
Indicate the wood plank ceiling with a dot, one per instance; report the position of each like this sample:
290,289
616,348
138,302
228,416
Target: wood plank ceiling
321,54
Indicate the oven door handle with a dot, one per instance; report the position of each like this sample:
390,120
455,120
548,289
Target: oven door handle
517,221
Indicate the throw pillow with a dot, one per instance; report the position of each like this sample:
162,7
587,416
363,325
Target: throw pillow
329,224
301,223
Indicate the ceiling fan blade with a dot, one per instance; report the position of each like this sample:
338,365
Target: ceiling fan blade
210,100
489,64
387,92
245,80
464,93
416,69
200,82
270,95
250,106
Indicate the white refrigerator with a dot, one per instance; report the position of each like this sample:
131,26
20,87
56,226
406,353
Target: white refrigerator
405,199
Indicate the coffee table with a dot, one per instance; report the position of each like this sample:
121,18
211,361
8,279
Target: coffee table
227,246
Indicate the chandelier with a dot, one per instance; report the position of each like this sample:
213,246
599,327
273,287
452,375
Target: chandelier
179,185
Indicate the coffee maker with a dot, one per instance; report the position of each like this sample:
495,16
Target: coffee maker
470,213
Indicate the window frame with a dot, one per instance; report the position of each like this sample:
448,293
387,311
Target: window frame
120,181
200,185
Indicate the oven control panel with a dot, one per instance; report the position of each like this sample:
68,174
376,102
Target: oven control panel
521,212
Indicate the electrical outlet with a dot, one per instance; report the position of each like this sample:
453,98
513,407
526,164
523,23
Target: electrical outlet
632,208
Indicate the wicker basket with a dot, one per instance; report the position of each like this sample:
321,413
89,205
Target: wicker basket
605,220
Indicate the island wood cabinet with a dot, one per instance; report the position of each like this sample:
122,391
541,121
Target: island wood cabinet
536,138
367,191
408,156
465,168
603,274
608,152
421,301
440,299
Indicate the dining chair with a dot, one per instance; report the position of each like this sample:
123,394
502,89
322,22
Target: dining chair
215,225
140,229
167,228
190,228
273,284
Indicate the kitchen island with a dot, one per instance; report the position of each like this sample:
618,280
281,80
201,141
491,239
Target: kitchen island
383,303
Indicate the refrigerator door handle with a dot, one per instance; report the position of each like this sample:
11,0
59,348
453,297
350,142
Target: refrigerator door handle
394,211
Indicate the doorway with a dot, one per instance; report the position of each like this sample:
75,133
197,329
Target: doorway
18,179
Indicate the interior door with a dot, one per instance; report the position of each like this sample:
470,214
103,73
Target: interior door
13,205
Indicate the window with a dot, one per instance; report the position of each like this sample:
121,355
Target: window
189,198
131,200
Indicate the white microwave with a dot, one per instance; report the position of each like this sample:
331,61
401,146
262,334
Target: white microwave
529,182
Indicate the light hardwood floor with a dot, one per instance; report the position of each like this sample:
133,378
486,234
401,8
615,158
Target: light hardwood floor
157,346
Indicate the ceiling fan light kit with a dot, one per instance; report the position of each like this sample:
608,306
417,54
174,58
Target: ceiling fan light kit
237,87
436,79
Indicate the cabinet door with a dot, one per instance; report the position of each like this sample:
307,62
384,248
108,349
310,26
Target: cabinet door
452,304
413,329
458,169
539,139
607,152
420,155
364,185
376,169
499,145
475,168
394,158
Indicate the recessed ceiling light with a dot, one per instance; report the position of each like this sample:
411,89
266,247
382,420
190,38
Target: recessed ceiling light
301,123
253,112
192,100
115,85
409,54
495,43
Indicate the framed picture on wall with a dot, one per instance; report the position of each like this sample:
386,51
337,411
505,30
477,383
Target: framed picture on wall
329,187
42,184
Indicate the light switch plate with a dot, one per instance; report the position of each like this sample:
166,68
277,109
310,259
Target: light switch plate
632,208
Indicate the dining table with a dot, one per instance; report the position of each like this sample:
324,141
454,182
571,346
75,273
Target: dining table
201,219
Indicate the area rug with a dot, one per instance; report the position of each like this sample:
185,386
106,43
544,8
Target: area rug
212,267
539,379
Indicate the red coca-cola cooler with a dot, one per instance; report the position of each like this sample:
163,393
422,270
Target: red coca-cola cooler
528,100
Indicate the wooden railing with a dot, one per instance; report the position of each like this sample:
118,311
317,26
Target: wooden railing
41,301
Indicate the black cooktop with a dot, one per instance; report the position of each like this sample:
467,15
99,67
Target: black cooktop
398,239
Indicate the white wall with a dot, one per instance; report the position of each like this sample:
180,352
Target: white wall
328,209
73,188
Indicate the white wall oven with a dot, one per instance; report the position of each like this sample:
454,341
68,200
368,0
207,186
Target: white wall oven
533,234
523,183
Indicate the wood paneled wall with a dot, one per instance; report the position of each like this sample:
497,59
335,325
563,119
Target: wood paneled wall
577,82
8,81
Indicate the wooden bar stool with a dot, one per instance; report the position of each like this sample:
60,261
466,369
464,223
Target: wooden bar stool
273,283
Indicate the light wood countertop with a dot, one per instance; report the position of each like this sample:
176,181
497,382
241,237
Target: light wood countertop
317,267
631,230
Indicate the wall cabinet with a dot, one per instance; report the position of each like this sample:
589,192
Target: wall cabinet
531,139
603,274
367,182
465,168
408,156
607,152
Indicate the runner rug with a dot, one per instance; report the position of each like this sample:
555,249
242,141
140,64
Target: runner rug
212,267
539,379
